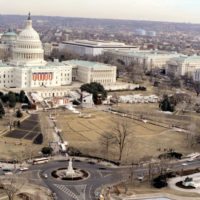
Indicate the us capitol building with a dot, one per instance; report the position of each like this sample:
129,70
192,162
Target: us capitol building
28,70
27,67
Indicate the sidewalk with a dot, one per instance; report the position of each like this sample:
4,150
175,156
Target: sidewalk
155,196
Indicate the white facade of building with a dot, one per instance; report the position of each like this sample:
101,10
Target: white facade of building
94,48
87,100
147,59
196,75
27,68
47,49
183,66
88,72
7,42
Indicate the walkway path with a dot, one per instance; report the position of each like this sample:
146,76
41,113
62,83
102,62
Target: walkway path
156,196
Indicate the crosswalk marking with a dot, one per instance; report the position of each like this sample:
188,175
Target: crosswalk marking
79,188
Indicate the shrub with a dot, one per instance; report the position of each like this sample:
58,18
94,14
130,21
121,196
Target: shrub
4,98
22,96
38,139
2,111
47,150
167,103
19,114
156,83
95,89
170,155
160,181
75,102
72,151
18,123
141,88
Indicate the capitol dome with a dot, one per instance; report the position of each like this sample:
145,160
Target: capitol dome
29,34
8,37
28,49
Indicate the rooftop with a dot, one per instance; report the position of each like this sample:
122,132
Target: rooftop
146,53
86,63
4,64
49,65
153,54
98,44
9,33
185,58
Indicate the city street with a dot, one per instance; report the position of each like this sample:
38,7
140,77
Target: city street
82,190
100,176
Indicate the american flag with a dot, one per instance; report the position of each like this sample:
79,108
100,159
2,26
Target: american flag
50,76
46,76
34,76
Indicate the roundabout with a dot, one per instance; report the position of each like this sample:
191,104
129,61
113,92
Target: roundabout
84,183
70,173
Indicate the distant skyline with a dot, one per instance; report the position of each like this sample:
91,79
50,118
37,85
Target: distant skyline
155,10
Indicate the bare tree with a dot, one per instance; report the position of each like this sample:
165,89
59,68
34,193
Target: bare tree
10,121
107,139
121,131
12,185
151,169
193,134
133,173
44,125
163,166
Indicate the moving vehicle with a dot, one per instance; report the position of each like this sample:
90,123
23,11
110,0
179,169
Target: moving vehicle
40,161
45,176
23,169
184,164
6,170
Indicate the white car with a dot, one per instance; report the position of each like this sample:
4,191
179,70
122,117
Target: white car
45,176
184,164
23,169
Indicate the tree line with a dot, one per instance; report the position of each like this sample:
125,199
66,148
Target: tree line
12,98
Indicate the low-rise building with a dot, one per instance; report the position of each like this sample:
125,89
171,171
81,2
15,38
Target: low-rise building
196,75
50,75
7,42
87,72
146,59
86,100
181,66
94,48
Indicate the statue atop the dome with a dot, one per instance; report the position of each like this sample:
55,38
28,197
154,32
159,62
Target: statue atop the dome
29,16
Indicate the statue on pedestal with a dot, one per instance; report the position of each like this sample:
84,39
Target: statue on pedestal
70,171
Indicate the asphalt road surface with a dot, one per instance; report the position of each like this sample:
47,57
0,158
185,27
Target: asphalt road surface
99,176
76,190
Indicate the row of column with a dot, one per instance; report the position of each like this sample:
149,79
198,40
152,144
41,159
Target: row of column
28,55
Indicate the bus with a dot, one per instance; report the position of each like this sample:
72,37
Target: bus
40,161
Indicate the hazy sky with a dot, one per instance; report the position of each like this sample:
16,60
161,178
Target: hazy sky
159,10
